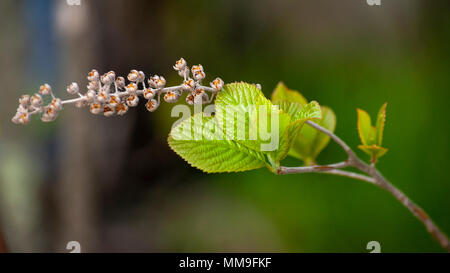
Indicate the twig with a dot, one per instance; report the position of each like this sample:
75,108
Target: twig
164,90
110,95
356,176
374,177
312,169
337,139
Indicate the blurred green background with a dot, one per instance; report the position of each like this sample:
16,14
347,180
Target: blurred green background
115,186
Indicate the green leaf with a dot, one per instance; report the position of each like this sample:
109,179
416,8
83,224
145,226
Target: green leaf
210,145
199,141
240,104
291,108
234,105
240,95
300,114
309,111
282,93
310,142
297,111
381,119
285,129
374,151
364,127
372,136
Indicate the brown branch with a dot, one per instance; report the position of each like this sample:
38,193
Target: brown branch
374,177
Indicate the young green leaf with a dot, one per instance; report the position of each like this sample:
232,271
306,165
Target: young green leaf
372,136
199,141
279,146
310,142
216,144
234,105
310,111
300,114
282,93
240,105
373,150
291,108
307,144
239,95
381,119
365,129
267,126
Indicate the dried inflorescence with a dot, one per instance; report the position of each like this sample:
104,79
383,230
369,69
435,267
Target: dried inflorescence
110,95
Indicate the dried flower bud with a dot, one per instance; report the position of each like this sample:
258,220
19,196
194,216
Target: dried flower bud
95,86
111,75
22,108
114,100
50,114
197,68
189,85
133,76
172,96
24,100
36,100
96,108
24,118
21,118
73,88
198,91
217,84
157,82
199,75
108,111
45,89
141,77
104,79
93,76
107,78
190,99
121,109
200,96
132,100
91,95
149,93
102,97
47,118
160,83
56,104
106,88
151,81
131,88
180,64
15,118
120,82
152,105
184,72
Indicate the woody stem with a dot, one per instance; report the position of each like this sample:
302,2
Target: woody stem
372,176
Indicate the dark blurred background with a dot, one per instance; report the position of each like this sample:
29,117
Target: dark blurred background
114,185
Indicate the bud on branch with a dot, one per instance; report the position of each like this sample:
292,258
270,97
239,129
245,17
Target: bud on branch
110,95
